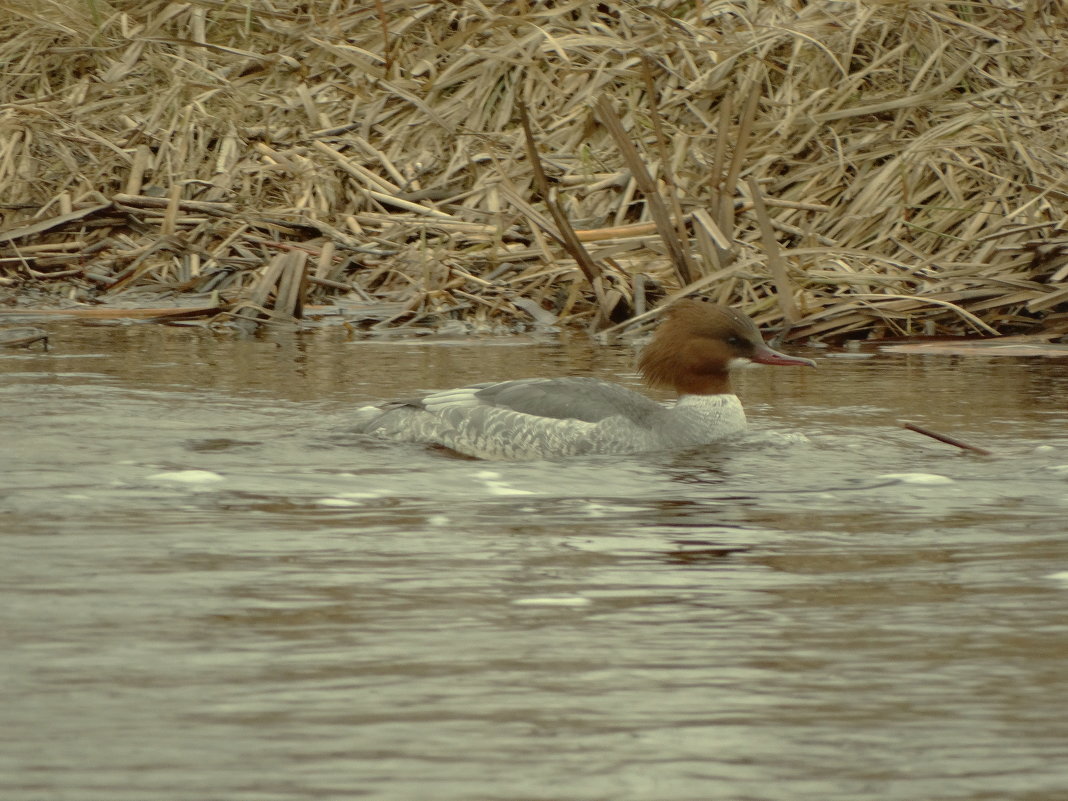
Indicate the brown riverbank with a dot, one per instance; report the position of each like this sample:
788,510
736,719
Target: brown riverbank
864,169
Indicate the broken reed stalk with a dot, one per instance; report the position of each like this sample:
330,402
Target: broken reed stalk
722,197
741,144
387,45
292,285
776,266
679,256
689,270
564,231
946,439
253,306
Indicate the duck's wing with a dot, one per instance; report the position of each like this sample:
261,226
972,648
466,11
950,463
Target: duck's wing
588,399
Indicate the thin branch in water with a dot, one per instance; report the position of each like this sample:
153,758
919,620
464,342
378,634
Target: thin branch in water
946,439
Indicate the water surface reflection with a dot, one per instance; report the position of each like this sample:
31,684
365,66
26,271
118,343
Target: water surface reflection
211,590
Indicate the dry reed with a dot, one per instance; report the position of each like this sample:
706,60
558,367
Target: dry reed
900,166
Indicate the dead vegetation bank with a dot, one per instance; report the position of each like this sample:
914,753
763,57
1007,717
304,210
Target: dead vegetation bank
851,167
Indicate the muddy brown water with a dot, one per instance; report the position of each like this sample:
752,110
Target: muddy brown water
210,589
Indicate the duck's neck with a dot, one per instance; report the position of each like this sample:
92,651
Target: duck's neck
717,383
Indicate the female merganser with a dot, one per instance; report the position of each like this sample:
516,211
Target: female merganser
692,353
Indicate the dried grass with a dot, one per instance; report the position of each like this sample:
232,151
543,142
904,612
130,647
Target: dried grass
256,158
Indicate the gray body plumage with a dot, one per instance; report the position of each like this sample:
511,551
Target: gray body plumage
541,418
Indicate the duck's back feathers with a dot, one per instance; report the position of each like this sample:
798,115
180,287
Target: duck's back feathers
588,399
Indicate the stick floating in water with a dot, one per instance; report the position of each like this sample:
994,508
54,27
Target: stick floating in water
946,439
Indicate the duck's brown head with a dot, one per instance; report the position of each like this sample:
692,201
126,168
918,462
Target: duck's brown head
695,347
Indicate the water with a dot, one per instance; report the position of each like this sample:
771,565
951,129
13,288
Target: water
208,589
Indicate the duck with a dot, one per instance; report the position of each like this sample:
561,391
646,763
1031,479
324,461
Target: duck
692,353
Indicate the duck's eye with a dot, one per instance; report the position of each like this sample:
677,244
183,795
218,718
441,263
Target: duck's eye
733,340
